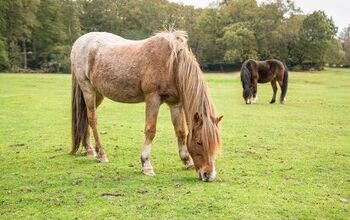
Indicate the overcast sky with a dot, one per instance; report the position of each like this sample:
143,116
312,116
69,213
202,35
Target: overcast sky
339,10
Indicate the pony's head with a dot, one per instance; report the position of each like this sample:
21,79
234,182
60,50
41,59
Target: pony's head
203,144
247,95
203,139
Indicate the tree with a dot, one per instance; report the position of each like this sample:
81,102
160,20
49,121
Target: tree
318,32
240,43
335,55
209,28
289,39
71,12
345,34
50,37
21,20
345,39
4,60
346,47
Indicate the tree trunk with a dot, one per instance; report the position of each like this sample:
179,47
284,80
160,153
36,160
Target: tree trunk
24,54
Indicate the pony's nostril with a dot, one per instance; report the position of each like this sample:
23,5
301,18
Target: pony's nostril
206,175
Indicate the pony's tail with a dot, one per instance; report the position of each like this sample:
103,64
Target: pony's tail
79,116
284,84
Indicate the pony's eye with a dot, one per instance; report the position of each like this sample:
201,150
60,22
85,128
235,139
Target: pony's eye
199,143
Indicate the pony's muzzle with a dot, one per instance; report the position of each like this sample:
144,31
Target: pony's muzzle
207,176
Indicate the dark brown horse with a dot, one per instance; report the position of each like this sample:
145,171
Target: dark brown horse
254,72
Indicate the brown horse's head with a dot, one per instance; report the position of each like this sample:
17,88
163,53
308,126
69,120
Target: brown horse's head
246,81
203,145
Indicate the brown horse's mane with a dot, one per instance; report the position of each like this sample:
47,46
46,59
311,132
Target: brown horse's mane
193,90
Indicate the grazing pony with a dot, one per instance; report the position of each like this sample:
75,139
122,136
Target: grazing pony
160,69
254,72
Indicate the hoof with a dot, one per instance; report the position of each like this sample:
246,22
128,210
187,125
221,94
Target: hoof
103,159
91,154
148,171
272,101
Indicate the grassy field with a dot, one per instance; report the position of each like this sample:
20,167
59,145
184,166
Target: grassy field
277,162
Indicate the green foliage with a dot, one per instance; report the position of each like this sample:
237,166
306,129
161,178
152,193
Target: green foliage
277,161
335,55
345,39
346,46
240,43
318,32
42,32
52,34
4,61
209,27
289,39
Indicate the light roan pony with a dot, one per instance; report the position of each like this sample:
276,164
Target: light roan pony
254,72
160,69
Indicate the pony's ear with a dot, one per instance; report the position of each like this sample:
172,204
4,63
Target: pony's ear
218,119
197,119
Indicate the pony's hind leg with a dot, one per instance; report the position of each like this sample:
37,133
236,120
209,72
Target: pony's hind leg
274,88
153,102
178,120
92,100
283,92
90,151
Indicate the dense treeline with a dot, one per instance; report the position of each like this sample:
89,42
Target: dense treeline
38,34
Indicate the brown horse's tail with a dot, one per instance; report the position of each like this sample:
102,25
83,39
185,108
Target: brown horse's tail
284,83
79,116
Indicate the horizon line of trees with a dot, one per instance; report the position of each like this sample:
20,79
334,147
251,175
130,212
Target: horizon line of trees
38,34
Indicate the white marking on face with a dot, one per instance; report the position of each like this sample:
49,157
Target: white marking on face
248,101
213,174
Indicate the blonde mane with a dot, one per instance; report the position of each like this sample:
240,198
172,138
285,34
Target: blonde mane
193,90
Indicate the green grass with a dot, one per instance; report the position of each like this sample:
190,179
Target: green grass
277,162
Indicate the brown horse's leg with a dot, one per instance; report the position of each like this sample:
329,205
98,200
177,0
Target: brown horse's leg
282,101
90,151
274,88
254,91
178,120
152,107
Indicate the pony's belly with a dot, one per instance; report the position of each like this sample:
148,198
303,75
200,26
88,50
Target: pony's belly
265,80
120,90
126,98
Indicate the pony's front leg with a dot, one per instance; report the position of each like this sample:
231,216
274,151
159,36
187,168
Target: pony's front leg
254,91
179,122
152,107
